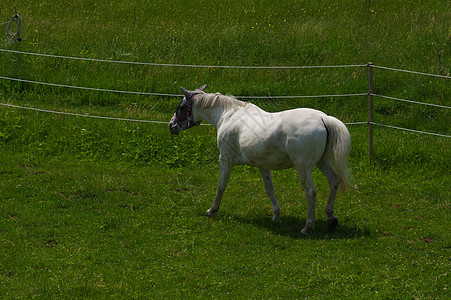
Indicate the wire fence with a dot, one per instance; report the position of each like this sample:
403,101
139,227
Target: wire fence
406,129
370,94
177,65
409,101
412,72
80,115
171,95
109,118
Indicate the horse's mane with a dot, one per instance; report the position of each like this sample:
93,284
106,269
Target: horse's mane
204,100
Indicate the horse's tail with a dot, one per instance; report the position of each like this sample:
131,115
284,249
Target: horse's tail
338,148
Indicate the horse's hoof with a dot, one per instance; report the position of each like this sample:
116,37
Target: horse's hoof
210,213
332,223
306,231
309,226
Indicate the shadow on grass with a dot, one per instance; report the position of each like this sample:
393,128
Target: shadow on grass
291,226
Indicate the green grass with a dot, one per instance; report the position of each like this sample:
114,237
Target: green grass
99,208
76,228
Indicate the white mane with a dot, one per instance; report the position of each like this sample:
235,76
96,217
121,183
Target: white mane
204,100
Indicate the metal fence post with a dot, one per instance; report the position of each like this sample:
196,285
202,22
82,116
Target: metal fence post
371,109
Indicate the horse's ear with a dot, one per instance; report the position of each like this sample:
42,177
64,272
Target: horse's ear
187,94
202,87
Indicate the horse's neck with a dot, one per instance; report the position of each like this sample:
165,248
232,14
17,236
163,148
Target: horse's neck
214,116
216,113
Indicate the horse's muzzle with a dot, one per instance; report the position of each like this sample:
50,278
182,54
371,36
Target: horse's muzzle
174,127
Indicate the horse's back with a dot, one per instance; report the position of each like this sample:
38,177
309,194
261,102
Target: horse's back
277,140
302,120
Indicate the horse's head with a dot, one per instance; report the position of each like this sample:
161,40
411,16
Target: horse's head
183,116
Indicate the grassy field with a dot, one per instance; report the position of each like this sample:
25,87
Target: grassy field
95,208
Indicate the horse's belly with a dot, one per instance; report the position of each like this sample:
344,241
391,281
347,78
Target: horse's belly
269,159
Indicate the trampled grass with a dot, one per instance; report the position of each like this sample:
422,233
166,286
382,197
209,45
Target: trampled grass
100,208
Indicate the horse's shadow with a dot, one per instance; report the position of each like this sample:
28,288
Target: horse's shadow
291,226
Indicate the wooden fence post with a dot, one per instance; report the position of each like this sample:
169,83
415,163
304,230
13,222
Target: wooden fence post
371,109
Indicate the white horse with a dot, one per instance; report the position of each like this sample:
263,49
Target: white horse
300,138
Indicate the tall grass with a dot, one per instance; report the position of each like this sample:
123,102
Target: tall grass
405,34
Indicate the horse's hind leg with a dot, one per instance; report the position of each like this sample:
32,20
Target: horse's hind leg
305,176
334,182
269,188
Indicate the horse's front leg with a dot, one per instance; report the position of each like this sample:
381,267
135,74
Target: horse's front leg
269,188
225,170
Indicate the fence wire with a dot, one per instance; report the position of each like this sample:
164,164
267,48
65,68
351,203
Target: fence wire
163,122
178,65
89,88
172,95
410,130
110,118
80,115
412,72
409,101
